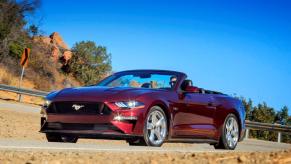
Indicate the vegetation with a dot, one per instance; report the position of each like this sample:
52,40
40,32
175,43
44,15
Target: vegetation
263,113
89,62
13,36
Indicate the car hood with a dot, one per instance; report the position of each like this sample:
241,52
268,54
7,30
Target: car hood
97,93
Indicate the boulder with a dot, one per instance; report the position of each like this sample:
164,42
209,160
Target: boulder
59,49
58,40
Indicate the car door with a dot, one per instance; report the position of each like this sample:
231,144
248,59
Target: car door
195,116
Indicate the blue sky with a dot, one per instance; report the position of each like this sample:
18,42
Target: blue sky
241,47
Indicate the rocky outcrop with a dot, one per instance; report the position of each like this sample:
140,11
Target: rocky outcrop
58,48
58,40
67,55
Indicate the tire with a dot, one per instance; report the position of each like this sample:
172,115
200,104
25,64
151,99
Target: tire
155,127
136,142
61,138
230,133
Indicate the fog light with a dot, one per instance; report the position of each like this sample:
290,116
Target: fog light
124,118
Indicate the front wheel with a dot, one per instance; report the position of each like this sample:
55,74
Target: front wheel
230,133
155,127
61,138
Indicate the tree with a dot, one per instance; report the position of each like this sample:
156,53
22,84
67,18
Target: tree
264,113
89,63
12,22
33,30
248,107
282,116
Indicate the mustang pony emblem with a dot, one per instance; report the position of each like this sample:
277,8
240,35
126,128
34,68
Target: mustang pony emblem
77,107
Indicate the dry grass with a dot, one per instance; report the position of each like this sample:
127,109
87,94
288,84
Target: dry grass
48,80
9,77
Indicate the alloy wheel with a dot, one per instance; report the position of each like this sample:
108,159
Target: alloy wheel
156,126
231,131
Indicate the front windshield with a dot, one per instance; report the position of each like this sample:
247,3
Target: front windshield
141,80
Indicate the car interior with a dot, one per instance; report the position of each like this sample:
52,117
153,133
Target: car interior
188,83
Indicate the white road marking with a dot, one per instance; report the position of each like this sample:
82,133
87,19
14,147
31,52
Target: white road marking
95,149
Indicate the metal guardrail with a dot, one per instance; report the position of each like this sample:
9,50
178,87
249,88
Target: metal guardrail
268,127
24,91
249,124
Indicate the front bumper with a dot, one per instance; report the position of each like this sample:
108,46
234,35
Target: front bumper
119,124
104,131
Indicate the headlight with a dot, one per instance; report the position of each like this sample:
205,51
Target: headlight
46,103
129,104
44,108
43,113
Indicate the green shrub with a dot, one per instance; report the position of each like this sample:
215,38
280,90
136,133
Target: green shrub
89,63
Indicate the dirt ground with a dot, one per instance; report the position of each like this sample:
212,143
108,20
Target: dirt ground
22,125
147,157
25,98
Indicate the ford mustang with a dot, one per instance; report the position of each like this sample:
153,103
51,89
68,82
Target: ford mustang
144,107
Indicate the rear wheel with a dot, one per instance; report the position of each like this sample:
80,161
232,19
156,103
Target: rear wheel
61,138
230,133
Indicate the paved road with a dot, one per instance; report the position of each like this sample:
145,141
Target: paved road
245,146
19,107
23,145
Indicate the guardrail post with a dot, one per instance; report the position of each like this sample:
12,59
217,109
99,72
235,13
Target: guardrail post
20,81
19,97
247,133
279,136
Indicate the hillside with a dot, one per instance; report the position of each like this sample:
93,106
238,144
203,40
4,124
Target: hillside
52,64
52,53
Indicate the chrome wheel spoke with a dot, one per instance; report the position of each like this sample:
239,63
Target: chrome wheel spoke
152,135
150,126
227,127
158,134
231,124
154,118
160,122
228,138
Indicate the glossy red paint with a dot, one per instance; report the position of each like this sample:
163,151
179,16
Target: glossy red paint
192,113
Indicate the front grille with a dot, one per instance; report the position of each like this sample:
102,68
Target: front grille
82,108
76,126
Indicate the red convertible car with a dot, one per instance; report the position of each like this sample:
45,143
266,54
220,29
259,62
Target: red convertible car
144,107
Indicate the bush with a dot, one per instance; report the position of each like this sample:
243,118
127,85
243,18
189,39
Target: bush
89,63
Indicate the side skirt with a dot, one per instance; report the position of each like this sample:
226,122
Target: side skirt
190,140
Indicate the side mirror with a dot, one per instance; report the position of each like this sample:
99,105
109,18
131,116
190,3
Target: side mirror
192,89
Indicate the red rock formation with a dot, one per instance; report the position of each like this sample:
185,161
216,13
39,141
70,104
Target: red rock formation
67,55
57,39
55,53
57,44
